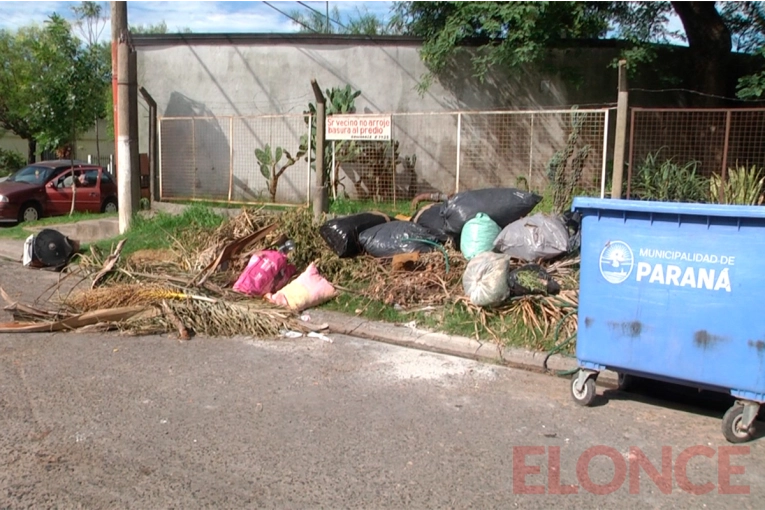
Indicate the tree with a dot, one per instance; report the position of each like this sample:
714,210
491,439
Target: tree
17,76
50,84
158,28
362,23
70,85
510,34
90,23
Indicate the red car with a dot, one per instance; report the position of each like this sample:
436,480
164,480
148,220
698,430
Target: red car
45,189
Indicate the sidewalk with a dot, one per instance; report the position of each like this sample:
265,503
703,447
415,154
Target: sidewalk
485,351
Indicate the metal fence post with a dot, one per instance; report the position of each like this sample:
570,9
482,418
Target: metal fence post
393,163
230,157
159,162
531,149
605,159
632,152
194,156
459,150
724,169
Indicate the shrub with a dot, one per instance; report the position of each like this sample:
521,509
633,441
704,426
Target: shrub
667,181
10,161
744,186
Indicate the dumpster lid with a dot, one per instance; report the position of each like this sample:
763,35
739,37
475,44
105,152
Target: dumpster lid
643,206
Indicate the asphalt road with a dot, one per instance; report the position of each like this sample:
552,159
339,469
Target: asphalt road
104,421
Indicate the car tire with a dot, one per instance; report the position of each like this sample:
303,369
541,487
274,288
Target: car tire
30,211
110,206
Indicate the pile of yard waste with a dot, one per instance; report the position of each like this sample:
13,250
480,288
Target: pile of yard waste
259,270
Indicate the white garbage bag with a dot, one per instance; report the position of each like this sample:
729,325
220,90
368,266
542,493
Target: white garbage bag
485,279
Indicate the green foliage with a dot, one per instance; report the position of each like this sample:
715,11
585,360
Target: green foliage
752,86
360,23
51,85
10,161
269,165
744,186
564,170
664,180
345,206
162,230
510,34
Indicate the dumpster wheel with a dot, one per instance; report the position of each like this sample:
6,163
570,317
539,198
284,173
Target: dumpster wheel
731,425
587,393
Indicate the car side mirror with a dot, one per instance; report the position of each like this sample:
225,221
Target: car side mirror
52,184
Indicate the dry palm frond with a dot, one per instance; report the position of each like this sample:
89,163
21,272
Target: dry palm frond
120,295
215,319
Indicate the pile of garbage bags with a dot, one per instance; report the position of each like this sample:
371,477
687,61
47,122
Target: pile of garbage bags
492,228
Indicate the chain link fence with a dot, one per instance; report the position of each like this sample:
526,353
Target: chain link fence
236,158
715,139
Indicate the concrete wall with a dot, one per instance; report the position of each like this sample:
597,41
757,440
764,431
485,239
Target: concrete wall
211,77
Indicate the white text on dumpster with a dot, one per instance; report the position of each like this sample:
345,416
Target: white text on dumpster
693,277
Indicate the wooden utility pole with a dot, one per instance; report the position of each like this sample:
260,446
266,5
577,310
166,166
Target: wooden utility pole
320,196
119,20
620,141
126,145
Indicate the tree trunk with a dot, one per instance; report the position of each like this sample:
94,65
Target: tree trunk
31,150
710,45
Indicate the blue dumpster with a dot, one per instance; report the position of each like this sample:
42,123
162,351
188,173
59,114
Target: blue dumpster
674,292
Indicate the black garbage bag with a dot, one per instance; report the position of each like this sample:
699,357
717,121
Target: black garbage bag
430,217
397,237
531,279
573,221
503,205
342,234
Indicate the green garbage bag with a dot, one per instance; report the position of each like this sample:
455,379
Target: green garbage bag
478,235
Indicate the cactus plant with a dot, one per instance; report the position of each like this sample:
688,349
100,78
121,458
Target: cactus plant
269,165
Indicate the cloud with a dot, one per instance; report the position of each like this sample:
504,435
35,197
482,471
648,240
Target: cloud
200,17
18,14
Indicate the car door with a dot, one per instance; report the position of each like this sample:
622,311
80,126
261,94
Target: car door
59,191
88,191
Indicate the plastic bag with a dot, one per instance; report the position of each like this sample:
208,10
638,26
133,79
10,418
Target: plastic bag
531,279
485,280
573,221
267,271
307,290
397,237
430,218
342,234
478,235
503,205
538,237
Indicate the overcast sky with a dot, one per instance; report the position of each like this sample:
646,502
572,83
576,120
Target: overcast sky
198,16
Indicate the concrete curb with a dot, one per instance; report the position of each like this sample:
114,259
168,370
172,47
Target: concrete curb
488,352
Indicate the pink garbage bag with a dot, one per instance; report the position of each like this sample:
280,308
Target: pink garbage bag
267,272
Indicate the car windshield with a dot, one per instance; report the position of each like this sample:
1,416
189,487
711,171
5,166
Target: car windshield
31,175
